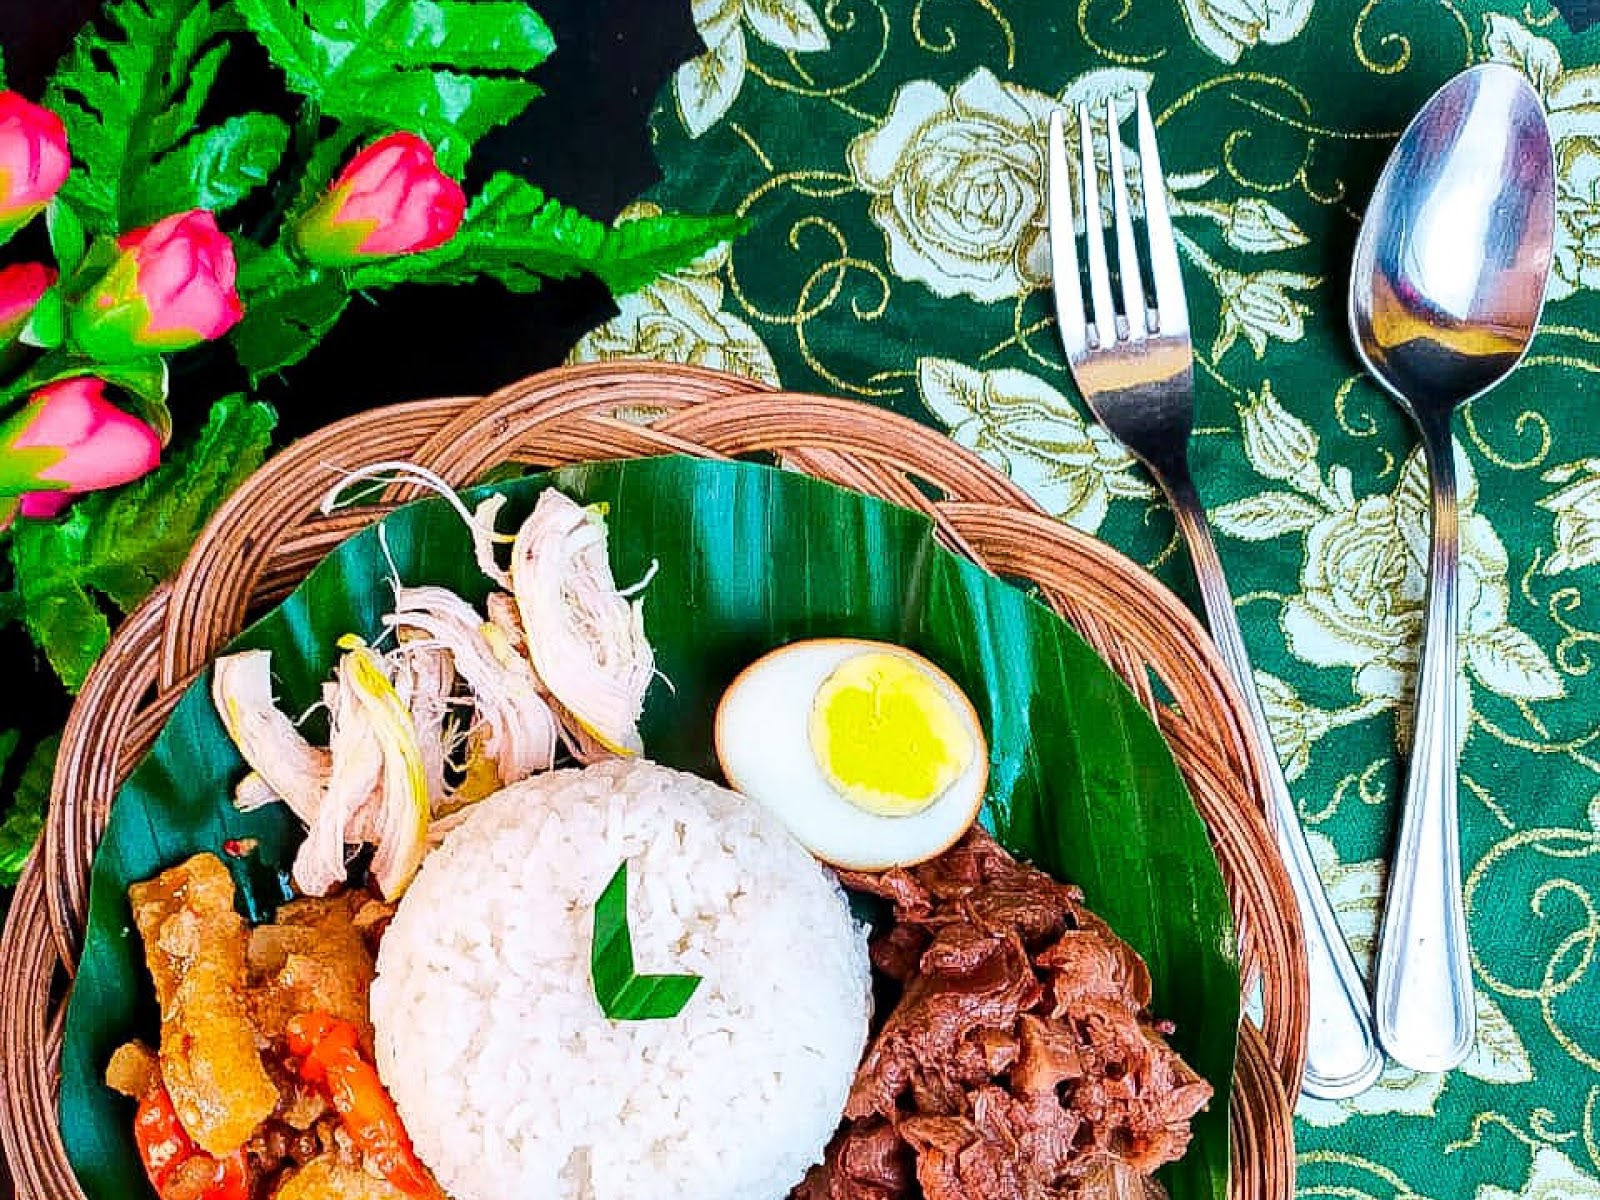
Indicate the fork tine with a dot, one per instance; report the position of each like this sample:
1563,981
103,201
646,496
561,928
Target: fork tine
1127,250
1172,310
1105,321
1068,285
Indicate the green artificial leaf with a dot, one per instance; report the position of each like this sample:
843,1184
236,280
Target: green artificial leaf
218,167
61,617
638,252
749,558
516,234
450,70
132,94
24,816
69,241
47,323
621,991
95,258
119,544
288,308
146,382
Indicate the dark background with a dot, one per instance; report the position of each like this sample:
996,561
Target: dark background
585,140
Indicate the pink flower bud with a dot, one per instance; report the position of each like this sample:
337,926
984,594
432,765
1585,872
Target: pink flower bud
172,288
391,198
33,160
21,286
70,436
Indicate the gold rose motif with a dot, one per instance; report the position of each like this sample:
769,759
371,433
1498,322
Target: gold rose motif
1259,307
957,183
1362,590
679,318
1279,444
1362,597
1295,725
1577,260
957,179
1498,1056
1364,575
1256,227
707,86
1249,224
1031,432
1551,1176
1577,509
1227,28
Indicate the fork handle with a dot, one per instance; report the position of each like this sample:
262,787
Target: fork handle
1342,1055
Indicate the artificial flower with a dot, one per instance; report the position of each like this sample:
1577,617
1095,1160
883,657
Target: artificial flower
69,439
390,199
33,160
172,287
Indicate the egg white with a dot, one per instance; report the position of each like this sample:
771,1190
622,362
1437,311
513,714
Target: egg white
763,743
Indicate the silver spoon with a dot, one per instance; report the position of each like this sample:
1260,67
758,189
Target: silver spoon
1449,278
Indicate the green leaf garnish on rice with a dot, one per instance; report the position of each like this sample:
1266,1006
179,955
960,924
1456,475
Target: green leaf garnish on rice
623,993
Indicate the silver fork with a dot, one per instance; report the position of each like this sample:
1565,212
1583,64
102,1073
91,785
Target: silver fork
1135,367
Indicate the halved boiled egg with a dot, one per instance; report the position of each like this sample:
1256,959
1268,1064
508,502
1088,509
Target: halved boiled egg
870,754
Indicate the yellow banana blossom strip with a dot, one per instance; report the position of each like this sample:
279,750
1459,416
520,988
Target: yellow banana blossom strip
399,828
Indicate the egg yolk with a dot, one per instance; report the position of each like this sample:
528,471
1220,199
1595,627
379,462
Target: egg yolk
886,736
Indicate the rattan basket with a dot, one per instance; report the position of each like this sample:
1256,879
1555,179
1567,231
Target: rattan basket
270,535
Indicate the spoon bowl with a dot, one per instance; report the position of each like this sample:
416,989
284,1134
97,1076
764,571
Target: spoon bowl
1454,252
1445,295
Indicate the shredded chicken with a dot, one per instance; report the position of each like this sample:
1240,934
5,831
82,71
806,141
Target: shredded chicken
461,705
484,537
283,762
357,764
398,824
254,792
377,787
424,678
519,730
586,638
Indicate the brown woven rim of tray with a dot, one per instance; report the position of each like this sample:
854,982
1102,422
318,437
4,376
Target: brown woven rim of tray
270,534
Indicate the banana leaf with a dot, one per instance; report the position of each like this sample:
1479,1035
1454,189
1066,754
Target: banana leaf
749,558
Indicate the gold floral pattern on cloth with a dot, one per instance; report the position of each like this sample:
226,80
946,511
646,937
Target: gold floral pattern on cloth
1359,602
679,318
1031,431
888,157
1227,28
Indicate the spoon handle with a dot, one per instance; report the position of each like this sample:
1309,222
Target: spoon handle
1342,1056
1424,977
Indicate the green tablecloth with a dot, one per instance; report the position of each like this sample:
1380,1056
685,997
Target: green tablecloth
889,157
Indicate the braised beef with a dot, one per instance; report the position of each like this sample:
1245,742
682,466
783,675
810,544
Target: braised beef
869,1160
1020,1061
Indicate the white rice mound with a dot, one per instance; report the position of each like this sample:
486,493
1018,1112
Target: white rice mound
510,1079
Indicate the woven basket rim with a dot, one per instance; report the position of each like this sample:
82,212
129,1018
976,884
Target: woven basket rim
266,535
